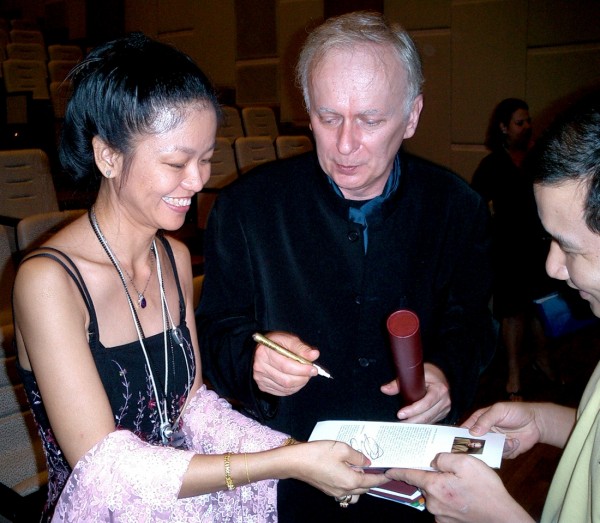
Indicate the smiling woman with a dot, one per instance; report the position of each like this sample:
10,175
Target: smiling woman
113,374
170,166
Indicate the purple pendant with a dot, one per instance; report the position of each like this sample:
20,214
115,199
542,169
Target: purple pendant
141,301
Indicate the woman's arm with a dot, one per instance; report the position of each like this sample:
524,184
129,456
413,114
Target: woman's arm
326,465
51,322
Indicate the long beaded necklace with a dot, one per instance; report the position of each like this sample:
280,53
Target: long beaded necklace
167,427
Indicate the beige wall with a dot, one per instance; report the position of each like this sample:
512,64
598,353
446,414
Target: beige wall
294,18
475,53
204,29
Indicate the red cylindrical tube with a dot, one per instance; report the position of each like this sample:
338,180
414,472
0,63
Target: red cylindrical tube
405,343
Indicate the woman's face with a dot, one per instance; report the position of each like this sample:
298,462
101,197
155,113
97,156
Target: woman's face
518,131
168,168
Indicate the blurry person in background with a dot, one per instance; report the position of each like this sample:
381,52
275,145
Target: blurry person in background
517,235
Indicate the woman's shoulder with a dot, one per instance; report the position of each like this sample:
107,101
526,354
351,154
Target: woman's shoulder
46,282
58,260
45,268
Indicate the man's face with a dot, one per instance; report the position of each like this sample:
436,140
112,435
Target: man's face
575,250
359,117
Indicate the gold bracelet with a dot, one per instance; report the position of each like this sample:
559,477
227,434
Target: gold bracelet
246,463
228,480
289,441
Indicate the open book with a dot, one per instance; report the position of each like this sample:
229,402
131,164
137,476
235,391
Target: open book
408,445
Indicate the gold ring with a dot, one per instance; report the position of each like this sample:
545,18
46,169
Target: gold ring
344,501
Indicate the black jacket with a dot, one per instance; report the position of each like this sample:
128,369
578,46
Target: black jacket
281,254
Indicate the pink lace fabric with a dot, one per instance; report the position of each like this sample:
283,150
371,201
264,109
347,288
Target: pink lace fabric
123,478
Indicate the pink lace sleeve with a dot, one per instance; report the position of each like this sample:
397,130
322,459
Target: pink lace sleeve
211,426
123,478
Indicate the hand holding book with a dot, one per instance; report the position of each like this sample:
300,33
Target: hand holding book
408,445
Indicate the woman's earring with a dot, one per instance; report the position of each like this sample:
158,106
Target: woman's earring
108,173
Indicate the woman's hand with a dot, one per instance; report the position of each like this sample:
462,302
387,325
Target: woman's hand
333,467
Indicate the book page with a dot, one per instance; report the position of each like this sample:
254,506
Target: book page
408,445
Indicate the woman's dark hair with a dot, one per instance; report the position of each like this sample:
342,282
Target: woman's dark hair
495,138
569,150
119,92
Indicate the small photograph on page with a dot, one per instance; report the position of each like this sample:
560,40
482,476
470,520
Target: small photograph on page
462,445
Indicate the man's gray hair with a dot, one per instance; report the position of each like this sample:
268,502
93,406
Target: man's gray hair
350,30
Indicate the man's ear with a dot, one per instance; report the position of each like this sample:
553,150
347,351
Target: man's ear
413,117
106,157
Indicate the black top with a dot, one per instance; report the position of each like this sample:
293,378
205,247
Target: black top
281,254
519,246
125,377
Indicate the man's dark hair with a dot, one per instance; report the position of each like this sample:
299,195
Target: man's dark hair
569,150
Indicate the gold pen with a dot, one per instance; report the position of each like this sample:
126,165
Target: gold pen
259,338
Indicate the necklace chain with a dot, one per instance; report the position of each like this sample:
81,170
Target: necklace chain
141,298
113,260
141,295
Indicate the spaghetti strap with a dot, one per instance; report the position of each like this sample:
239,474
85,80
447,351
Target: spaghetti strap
69,266
169,251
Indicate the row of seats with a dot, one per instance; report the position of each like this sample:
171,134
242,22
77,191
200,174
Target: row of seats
229,161
251,121
26,184
21,36
28,24
253,134
35,51
35,96
26,71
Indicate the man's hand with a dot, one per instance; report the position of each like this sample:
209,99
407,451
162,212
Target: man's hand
463,489
434,406
524,424
275,374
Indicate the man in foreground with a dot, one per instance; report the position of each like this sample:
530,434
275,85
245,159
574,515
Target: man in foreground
566,175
